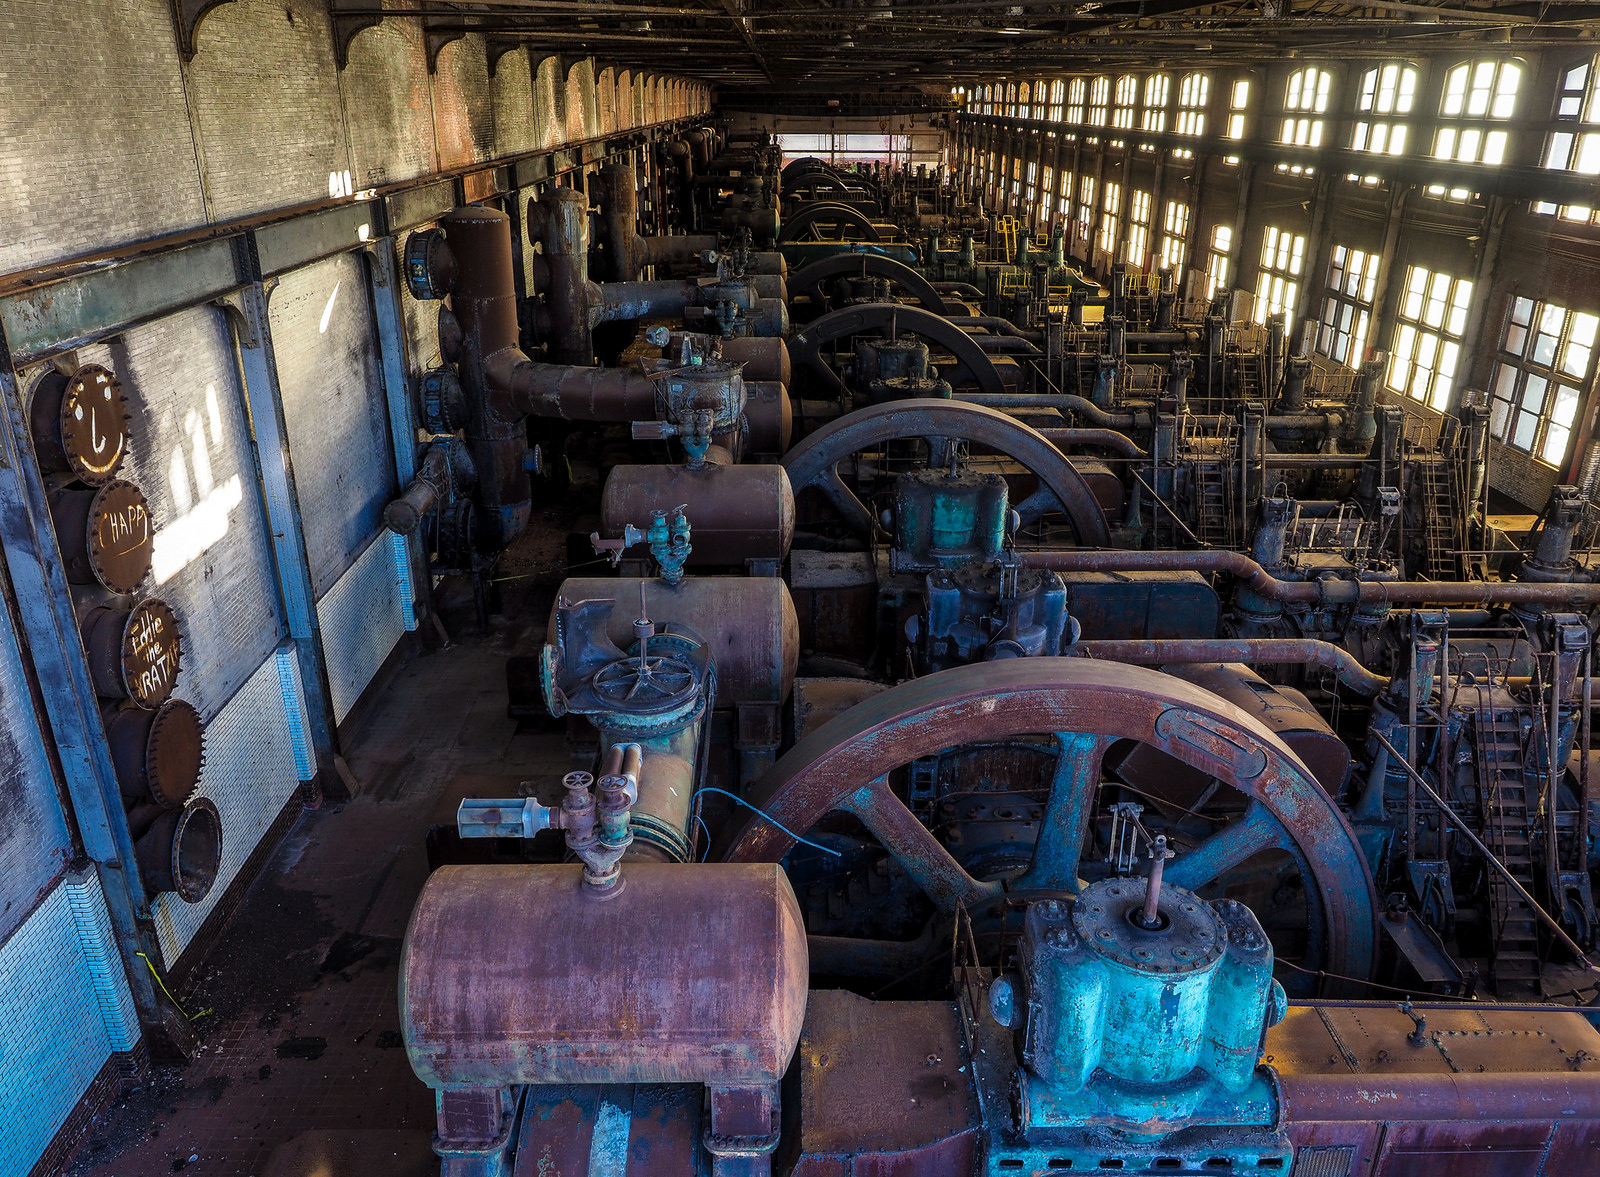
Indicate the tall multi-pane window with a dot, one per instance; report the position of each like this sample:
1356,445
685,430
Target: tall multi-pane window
1138,227
1283,258
1174,235
1386,91
1011,100
1126,100
1238,107
1476,93
1099,101
1545,357
1065,205
1305,101
1575,145
1024,101
1086,207
1058,93
1221,254
1077,92
1194,92
1110,209
1347,306
1157,89
1427,338
1016,178
1030,186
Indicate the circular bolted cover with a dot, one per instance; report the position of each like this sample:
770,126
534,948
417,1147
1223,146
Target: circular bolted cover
80,424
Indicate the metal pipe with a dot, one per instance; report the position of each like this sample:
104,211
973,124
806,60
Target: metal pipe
1319,592
1066,402
1201,651
1108,438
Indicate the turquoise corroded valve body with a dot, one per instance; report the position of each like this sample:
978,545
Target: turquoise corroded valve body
1145,1030
944,520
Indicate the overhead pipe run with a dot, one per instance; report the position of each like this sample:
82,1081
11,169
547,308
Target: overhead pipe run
1201,651
1319,592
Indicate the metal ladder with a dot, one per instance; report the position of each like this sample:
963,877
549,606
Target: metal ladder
1439,518
1507,830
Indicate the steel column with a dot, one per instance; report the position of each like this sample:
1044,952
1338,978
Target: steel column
247,316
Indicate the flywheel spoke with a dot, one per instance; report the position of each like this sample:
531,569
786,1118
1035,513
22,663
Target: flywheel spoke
921,855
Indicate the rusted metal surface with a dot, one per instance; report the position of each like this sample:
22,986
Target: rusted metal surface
1283,709
836,602
106,534
809,280
764,358
770,415
815,461
885,1089
1142,605
80,424
736,513
889,320
1321,592
686,974
747,622
182,850
627,1129
844,765
157,754
1110,439
1301,651
134,654
818,700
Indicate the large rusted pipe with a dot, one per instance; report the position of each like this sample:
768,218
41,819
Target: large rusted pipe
1304,651
560,220
1106,438
1320,592
573,393
1065,402
643,300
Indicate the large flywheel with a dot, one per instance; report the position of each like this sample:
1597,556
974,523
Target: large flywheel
815,461
1087,708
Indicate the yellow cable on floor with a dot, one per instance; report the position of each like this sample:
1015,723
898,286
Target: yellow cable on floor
168,992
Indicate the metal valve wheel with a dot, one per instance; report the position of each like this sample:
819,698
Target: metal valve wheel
1088,706
815,461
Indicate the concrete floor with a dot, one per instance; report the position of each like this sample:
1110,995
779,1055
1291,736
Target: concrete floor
302,1070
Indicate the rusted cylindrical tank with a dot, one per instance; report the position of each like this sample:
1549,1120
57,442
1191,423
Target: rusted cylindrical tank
747,622
135,653
182,850
691,973
1283,709
735,513
764,358
771,416
158,754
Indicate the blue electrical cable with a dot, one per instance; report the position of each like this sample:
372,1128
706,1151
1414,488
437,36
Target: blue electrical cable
769,818
707,830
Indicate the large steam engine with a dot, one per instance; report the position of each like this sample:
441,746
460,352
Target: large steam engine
1027,725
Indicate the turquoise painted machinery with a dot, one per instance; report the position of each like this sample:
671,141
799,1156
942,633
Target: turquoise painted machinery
1139,1015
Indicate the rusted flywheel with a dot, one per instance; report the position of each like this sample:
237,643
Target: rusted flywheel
1088,706
815,461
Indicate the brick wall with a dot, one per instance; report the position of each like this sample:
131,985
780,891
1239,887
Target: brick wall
107,137
266,100
388,105
95,147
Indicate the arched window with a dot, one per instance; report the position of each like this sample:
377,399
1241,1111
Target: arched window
1386,90
1157,88
1127,99
1194,91
1077,92
1058,92
1024,107
1305,99
1099,101
1476,93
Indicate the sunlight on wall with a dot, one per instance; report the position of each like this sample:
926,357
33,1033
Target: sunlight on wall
204,504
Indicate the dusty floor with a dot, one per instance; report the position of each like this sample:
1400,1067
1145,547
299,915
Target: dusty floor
302,1061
